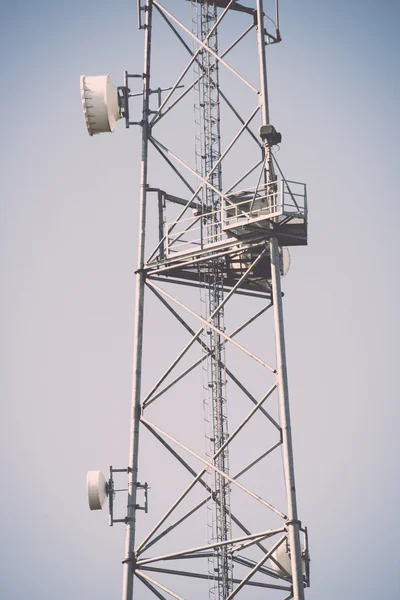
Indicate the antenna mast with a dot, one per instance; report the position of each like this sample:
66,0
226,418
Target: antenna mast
222,231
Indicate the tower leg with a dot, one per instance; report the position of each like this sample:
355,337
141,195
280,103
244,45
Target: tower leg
293,523
129,560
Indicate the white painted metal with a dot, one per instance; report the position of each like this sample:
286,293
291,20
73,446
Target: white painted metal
232,244
285,260
293,522
129,559
96,489
282,556
100,103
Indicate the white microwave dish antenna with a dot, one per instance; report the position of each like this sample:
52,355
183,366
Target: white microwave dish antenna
282,555
285,260
100,103
96,489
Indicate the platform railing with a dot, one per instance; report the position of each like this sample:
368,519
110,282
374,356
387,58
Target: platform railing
188,234
278,200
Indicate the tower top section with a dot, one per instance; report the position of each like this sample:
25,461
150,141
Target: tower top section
233,5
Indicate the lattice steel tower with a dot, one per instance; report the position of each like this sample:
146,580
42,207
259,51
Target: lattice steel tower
216,219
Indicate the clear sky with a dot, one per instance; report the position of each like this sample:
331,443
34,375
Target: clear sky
68,251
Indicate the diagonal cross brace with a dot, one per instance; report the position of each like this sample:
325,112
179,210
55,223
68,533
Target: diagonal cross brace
163,11
150,586
150,398
214,578
211,326
255,568
163,587
153,286
198,549
204,45
183,462
205,180
159,115
213,467
197,478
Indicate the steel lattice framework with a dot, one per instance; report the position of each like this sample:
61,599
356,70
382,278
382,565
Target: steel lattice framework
229,241
208,153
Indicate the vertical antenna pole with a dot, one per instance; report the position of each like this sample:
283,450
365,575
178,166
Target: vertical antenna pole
293,524
129,560
269,170
278,33
262,63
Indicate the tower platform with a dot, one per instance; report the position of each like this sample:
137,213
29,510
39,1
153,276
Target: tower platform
278,208
249,218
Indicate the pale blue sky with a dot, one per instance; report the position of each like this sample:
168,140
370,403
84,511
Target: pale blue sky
68,252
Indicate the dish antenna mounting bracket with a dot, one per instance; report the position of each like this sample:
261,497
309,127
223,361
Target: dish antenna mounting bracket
112,491
98,489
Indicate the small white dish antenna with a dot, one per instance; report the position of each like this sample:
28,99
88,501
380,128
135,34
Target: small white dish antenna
96,489
282,555
285,260
100,103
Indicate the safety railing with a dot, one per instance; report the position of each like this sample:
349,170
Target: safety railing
279,200
191,233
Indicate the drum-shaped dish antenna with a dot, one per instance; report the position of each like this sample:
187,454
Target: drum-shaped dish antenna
282,555
100,103
96,489
285,260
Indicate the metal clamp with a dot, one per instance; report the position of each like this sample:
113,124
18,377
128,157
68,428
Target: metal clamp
139,14
124,93
111,491
145,487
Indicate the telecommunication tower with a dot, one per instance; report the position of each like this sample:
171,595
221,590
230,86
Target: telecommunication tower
217,216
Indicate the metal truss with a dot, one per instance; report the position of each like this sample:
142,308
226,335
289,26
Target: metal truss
258,213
